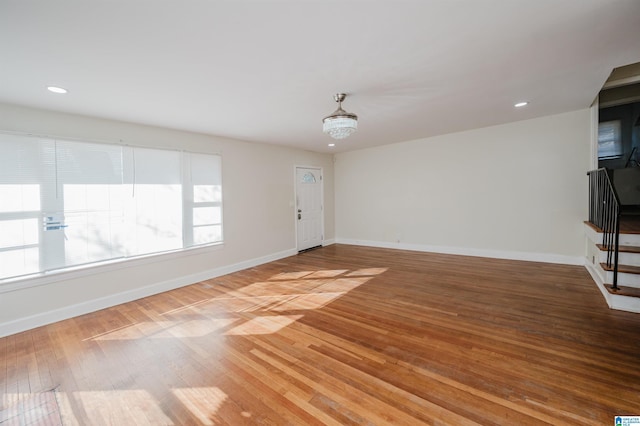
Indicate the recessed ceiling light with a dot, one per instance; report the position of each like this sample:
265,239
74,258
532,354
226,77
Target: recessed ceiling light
521,104
56,89
332,144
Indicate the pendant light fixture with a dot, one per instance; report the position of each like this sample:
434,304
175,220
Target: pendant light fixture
340,124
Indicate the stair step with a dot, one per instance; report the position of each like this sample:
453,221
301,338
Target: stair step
625,249
628,255
628,225
627,236
623,291
622,268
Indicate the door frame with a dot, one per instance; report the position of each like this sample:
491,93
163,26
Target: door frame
295,201
594,114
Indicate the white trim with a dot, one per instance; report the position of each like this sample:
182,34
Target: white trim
44,318
620,101
622,82
464,251
328,242
598,280
594,112
617,302
592,234
42,278
295,199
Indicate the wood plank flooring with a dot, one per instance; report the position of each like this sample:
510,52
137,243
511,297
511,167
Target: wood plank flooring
630,224
344,335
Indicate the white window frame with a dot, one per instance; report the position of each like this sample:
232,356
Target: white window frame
46,275
614,128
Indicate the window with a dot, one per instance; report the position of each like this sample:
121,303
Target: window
204,199
308,178
609,140
65,203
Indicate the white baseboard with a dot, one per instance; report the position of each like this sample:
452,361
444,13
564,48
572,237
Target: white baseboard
328,242
617,302
44,318
595,275
463,251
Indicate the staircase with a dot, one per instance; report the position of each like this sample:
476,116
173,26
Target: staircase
627,295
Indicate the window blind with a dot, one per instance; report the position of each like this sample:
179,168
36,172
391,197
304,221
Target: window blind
609,139
69,203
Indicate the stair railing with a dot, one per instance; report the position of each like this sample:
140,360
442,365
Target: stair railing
604,212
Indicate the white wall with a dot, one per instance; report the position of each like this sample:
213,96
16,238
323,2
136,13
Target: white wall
516,191
259,221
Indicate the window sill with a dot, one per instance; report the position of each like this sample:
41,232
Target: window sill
43,278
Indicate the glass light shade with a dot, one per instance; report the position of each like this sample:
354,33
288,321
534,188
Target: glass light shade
339,127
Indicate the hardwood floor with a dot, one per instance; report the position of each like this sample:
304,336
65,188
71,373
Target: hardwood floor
630,224
344,335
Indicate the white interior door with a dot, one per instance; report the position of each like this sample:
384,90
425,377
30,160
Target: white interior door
308,207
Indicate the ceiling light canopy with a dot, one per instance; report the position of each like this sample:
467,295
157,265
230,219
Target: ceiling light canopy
340,124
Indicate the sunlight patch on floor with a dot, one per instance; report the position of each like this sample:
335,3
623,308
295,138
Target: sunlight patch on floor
264,325
291,275
167,329
106,406
259,308
12,398
326,274
287,291
306,302
367,272
30,409
315,296
202,402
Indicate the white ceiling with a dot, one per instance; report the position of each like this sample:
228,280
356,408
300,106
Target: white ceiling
266,71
